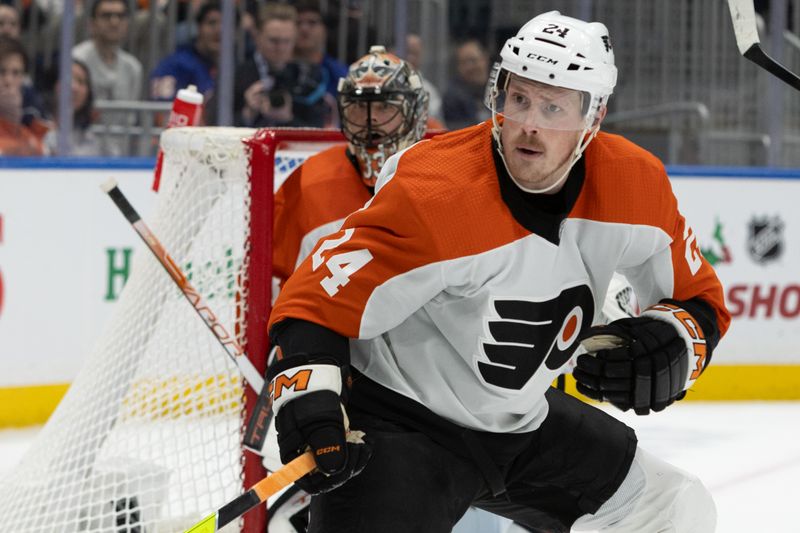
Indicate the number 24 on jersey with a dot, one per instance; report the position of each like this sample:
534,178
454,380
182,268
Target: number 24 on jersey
341,266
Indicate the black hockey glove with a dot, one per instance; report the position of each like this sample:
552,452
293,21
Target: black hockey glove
306,400
645,363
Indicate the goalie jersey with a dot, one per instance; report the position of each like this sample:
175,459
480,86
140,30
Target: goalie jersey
313,202
470,295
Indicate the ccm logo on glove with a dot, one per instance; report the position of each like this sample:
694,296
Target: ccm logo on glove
309,413
329,449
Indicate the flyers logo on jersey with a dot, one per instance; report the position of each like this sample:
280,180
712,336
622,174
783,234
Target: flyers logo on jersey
526,333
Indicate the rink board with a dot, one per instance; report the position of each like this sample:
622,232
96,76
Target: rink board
63,246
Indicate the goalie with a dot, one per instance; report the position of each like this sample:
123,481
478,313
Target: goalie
383,109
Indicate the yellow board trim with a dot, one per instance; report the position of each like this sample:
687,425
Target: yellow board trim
169,397
32,405
739,383
28,406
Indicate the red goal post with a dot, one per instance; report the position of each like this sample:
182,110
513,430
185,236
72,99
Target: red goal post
276,152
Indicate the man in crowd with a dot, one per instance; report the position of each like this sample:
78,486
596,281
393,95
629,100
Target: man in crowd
116,74
32,106
463,100
312,37
414,54
435,319
270,88
195,63
9,21
16,137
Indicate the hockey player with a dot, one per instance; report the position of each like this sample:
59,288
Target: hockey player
383,108
436,318
334,183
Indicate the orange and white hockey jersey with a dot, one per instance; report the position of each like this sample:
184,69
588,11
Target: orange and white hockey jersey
313,202
472,303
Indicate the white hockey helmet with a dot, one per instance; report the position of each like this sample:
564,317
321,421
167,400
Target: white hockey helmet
554,49
557,51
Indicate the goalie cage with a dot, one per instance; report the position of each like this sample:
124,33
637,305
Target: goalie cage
148,437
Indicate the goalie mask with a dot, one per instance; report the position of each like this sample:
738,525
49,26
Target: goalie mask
383,108
552,50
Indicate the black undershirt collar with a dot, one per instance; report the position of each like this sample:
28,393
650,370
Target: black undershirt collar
541,214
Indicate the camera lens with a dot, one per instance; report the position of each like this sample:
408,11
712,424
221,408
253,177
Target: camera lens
276,99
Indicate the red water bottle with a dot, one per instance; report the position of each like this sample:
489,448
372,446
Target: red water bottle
187,108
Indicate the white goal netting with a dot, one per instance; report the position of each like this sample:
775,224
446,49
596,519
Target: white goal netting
148,437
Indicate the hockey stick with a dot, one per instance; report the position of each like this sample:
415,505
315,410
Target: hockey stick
743,15
258,494
232,348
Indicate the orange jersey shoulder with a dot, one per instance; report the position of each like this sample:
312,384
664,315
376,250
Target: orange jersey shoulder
325,188
625,184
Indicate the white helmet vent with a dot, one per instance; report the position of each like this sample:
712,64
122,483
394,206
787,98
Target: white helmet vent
548,41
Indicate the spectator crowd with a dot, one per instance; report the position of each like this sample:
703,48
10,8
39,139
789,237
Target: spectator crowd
286,78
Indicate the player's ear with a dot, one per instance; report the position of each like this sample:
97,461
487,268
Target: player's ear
601,114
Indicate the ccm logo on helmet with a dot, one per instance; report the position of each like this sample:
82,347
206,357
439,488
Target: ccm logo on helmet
543,59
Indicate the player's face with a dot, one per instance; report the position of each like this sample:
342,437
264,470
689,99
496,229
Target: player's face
382,118
537,156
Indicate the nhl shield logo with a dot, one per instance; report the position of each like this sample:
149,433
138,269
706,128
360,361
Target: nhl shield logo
765,239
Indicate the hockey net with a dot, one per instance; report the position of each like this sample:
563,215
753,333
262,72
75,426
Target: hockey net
148,437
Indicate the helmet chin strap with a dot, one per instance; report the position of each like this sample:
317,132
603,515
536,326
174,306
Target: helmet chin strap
583,141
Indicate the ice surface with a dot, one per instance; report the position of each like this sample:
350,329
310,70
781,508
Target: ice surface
747,454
